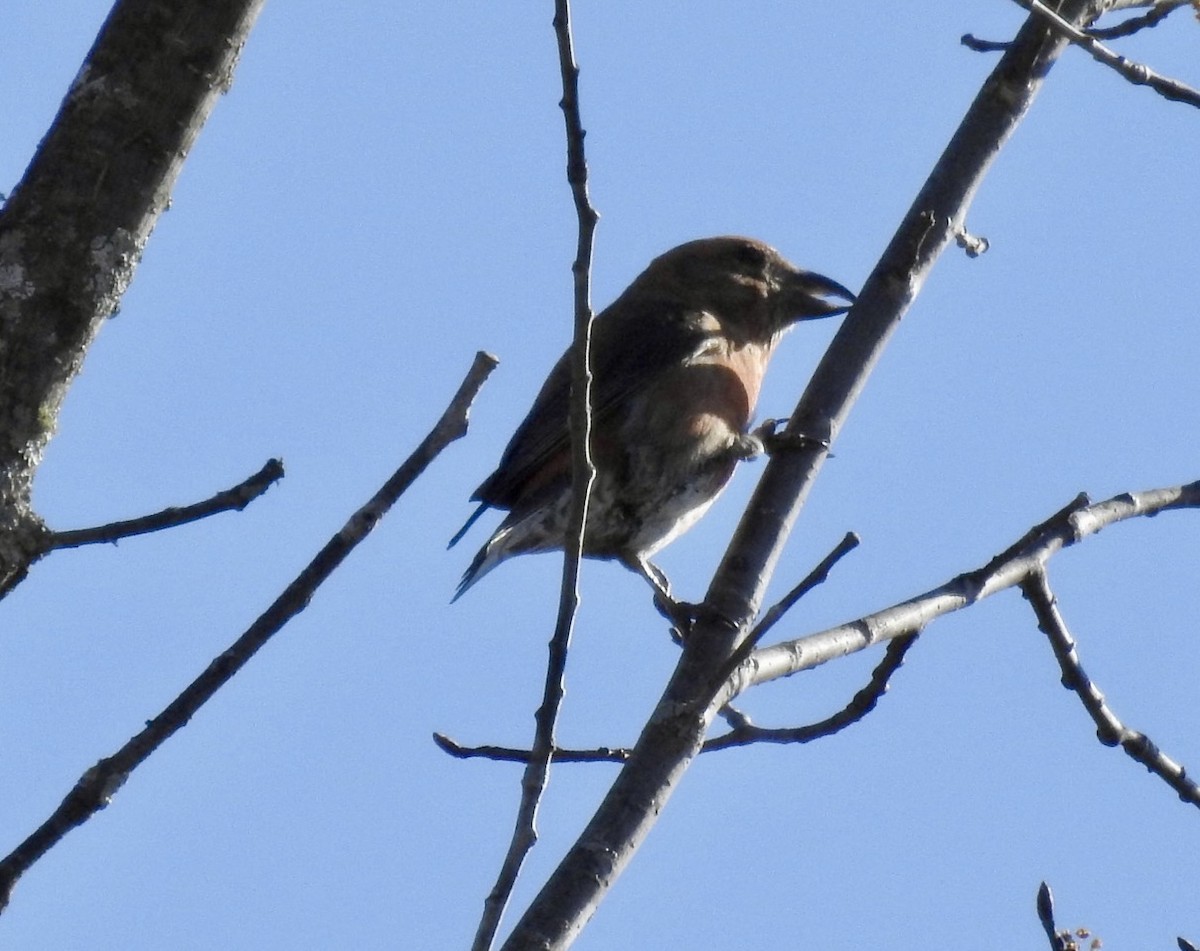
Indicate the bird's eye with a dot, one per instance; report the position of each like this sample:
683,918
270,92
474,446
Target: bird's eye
752,256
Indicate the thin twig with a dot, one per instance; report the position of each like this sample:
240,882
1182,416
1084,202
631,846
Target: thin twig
236,498
509,754
775,613
1136,73
972,42
583,472
745,733
1151,18
1109,729
742,731
96,787
817,576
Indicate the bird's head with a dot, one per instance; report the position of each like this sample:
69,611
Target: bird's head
749,285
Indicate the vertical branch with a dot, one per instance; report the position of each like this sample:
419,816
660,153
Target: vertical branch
583,472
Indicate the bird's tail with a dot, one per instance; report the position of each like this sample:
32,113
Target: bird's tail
484,561
474,517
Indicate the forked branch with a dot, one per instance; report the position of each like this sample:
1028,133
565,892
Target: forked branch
1136,73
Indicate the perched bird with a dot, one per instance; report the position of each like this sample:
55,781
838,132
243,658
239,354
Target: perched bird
677,362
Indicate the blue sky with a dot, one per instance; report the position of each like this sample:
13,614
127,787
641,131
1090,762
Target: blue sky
380,195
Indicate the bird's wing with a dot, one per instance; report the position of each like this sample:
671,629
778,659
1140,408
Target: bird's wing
632,342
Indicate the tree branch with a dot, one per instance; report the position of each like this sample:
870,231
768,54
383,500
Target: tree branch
1151,18
674,733
236,498
583,474
72,232
974,43
512,754
1136,73
1109,729
1019,565
817,576
742,732
94,790
1011,568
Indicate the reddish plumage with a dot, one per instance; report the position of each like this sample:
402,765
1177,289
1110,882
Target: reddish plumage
678,360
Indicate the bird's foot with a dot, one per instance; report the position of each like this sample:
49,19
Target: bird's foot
767,438
681,614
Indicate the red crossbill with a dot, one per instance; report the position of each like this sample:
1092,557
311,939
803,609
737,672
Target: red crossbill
677,362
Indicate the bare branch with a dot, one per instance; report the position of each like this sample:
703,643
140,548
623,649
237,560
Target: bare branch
1109,729
75,226
1019,565
673,735
1136,73
236,498
744,733
583,474
817,576
95,788
1067,527
1154,16
973,42
509,754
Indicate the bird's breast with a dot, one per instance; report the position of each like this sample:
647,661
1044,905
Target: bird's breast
719,389
694,413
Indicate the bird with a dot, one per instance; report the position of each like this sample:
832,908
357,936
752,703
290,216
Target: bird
677,363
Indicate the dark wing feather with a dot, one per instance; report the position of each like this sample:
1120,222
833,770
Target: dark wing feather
633,340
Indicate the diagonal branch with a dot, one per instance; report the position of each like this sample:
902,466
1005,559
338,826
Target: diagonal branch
775,613
1136,73
1009,569
583,473
674,733
1151,18
1109,729
95,788
236,498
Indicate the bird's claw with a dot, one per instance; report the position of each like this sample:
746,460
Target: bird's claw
767,437
681,614
753,444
